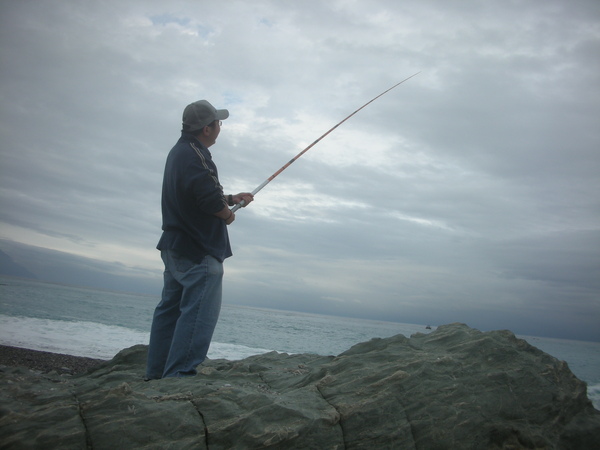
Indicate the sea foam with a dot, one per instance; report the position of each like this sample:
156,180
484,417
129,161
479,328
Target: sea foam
90,339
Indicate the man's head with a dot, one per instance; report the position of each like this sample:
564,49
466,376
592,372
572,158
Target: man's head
203,121
200,114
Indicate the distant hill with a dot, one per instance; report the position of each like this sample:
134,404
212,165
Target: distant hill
9,267
43,264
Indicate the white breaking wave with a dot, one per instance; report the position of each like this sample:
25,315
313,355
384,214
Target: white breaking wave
90,339
593,392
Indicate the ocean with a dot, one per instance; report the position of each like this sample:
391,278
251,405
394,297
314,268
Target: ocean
98,324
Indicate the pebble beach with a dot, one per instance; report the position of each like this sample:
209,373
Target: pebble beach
45,362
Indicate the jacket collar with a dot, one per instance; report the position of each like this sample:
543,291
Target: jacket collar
192,140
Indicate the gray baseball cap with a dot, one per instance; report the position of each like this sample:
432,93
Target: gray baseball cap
201,113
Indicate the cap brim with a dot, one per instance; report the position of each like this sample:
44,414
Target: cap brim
222,114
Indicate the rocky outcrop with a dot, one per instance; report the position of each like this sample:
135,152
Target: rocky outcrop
456,388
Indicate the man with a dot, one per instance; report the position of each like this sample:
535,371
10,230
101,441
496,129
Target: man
193,246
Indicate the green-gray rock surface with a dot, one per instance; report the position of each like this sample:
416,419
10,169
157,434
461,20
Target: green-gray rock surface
455,388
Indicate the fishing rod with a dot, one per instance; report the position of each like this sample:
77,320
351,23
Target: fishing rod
289,163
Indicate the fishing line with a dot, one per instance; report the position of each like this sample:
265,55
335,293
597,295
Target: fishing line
285,166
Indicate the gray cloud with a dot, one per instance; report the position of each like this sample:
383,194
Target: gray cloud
468,193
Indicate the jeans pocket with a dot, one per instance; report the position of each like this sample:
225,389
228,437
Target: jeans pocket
214,266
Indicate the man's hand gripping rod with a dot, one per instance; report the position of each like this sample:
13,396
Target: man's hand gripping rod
285,166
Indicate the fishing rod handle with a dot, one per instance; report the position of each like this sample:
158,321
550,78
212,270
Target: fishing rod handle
254,192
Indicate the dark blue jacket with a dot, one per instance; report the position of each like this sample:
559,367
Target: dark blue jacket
191,194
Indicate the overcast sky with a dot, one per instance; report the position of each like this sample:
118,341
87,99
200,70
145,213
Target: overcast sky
469,193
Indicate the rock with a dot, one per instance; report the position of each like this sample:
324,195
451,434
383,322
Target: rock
454,388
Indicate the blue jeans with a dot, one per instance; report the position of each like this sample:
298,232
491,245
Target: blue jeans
185,318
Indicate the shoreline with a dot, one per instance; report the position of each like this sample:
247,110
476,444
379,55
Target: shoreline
46,361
